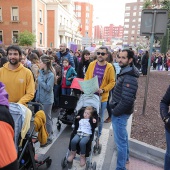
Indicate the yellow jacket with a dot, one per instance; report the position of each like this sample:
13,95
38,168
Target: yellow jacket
19,83
108,81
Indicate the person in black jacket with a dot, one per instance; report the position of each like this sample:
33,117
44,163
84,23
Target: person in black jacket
84,63
145,63
122,104
165,115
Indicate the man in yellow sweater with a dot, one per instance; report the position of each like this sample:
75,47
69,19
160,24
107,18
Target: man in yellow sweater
18,80
106,79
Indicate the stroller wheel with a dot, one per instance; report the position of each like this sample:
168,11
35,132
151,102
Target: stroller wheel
63,162
48,163
99,149
94,166
58,126
87,165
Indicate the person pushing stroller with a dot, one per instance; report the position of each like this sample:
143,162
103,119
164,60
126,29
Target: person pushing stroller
86,122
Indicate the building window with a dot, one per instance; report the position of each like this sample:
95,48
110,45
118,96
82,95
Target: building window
0,14
78,14
40,16
133,31
139,20
41,36
126,20
87,21
15,16
127,14
134,13
87,15
126,32
127,8
133,26
87,8
15,36
60,19
134,7
139,13
1,38
78,7
134,20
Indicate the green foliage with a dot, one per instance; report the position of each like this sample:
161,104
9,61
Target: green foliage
26,38
147,4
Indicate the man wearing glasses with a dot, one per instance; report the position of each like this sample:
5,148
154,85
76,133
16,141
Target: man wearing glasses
106,79
65,53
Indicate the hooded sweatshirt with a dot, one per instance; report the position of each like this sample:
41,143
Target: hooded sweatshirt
19,83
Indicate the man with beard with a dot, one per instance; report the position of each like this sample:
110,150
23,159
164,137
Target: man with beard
64,53
18,80
106,79
122,104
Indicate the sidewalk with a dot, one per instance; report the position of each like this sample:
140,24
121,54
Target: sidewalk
135,163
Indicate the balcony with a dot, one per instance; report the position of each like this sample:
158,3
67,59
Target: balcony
64,30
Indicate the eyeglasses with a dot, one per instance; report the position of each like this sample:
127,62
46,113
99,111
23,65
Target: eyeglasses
98,53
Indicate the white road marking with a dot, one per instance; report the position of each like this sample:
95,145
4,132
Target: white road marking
56,135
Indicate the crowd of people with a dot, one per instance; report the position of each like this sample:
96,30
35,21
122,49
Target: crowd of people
43,76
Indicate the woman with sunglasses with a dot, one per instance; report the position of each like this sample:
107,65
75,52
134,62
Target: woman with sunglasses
84,63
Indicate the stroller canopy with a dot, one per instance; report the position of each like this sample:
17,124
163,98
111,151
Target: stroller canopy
88,100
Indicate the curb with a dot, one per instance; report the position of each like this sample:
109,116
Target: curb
146,152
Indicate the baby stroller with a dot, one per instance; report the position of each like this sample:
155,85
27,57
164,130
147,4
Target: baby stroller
93,146
68,104
24,140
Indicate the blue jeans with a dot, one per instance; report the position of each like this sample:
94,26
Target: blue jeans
101,114
66,91
167,154
82,143
119,124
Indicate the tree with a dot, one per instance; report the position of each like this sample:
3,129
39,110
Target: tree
26,38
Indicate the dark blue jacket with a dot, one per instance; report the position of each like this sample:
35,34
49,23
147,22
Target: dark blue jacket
164,108
124,93
67,55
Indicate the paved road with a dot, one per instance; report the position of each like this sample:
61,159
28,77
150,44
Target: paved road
105,161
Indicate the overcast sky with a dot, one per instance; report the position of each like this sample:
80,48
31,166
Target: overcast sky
109,11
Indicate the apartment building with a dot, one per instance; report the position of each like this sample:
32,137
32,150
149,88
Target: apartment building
98,32
52,21
132,22
84,13
112,31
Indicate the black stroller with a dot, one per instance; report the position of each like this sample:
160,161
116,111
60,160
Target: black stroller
68,104
93,146
67,113
27,158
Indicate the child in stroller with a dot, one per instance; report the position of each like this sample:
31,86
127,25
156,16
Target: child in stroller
87,124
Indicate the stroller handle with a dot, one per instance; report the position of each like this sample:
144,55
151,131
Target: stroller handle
36,104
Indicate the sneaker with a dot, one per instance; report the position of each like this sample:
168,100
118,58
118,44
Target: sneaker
108,120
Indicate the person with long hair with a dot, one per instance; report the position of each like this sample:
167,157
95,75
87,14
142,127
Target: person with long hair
84,63
145,63
44,93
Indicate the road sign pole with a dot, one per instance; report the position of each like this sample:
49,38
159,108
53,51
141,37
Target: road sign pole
149,62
